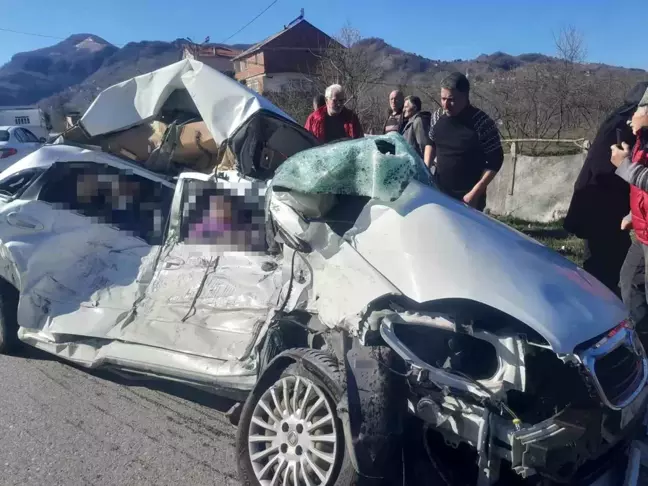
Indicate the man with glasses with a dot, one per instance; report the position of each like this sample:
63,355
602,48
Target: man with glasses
334,121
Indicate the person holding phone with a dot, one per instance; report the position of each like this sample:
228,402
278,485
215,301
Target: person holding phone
601,199
632,166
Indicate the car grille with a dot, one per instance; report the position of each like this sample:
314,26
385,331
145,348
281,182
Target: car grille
619,373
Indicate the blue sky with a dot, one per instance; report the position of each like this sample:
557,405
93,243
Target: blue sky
439,30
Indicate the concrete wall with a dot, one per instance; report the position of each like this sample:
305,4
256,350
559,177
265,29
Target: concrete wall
534,188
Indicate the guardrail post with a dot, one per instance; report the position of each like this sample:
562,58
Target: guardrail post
513,166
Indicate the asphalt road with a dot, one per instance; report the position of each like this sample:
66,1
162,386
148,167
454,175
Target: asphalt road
60,425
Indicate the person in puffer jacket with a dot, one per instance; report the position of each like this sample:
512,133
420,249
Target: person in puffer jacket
632,166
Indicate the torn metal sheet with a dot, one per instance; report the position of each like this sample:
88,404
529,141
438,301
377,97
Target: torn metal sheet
207,297
205,304
76,276
344,283
223,103
94,353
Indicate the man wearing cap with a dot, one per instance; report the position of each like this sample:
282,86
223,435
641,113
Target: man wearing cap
632,166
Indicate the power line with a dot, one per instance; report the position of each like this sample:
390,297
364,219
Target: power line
31,33
246,25
43,35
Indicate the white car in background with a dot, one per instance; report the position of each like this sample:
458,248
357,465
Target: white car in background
16,143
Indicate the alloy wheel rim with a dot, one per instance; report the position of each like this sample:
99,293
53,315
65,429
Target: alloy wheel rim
292,439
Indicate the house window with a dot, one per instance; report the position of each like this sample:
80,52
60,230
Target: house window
254,84
22,120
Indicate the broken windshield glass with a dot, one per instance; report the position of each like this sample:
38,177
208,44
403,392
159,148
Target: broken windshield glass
379,167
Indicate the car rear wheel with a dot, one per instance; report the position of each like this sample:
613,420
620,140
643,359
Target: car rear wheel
9,341
289,432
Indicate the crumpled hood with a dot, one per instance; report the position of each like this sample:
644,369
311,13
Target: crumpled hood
432,247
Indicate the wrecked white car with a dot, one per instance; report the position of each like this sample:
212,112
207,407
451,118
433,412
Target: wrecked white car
378,331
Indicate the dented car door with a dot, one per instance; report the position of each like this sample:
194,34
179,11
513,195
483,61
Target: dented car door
80,238
214,283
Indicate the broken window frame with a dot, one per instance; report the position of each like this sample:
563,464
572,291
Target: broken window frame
54,174
240,141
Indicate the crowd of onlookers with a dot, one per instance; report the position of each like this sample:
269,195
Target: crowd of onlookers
461,146
459,143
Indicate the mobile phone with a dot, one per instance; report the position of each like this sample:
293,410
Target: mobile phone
618,135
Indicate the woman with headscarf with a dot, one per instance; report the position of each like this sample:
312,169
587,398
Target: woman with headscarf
601,199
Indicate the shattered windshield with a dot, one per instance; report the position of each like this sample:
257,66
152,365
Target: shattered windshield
379,167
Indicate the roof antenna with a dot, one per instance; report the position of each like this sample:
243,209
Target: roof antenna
293,22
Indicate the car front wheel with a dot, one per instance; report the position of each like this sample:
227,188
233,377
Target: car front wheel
289,432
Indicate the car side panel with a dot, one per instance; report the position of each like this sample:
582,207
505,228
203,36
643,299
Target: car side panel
75,276
206,299
205,303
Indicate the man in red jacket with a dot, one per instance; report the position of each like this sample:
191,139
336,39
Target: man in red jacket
334,121
632,166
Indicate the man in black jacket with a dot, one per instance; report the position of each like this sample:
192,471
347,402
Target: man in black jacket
601,199
466,144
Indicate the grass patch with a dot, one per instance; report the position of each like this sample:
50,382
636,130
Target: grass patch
552,235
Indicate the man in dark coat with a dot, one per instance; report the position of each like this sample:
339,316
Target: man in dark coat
601,199
417,126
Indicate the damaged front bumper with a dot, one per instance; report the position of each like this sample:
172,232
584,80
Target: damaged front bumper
578,445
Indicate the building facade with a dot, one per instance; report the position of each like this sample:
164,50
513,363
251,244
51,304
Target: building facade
284,59
214,55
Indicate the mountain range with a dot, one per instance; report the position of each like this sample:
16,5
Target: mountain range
72,72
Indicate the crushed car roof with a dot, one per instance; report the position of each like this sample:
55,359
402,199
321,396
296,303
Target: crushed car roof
223,103
50,154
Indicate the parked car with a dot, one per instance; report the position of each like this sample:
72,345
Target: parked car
365,319
15,143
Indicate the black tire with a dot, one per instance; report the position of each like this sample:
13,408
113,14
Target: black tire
326,375
9,342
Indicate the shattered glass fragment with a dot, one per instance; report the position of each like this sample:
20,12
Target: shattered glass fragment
379,167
